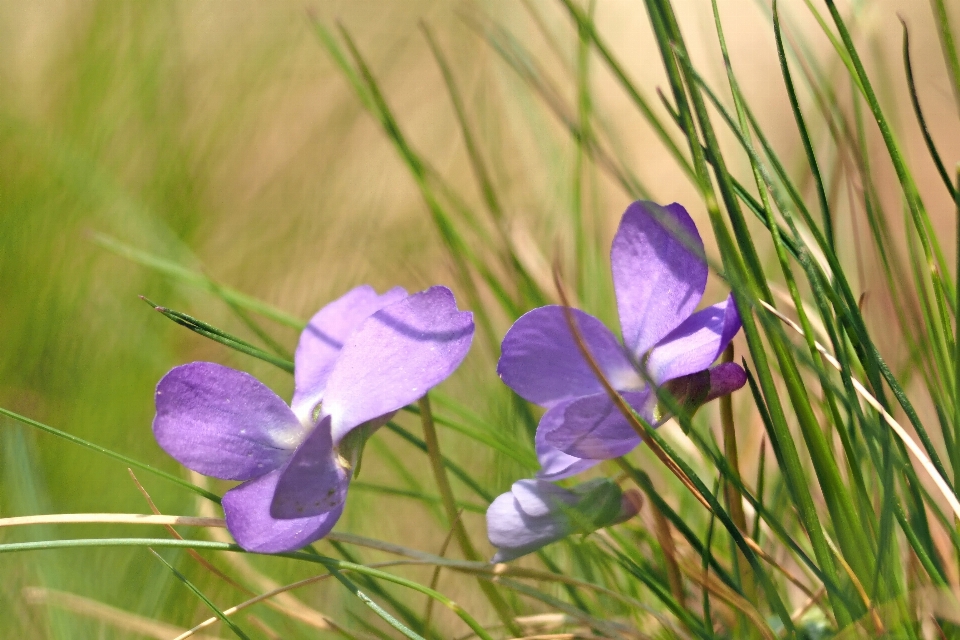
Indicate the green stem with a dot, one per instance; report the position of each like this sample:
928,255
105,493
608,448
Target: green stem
456,523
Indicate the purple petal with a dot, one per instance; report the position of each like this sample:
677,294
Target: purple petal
540,359
557,465
695,344
222,422
247,510
725,378
658,280
313,481
321,342
593,427
516,533
395,357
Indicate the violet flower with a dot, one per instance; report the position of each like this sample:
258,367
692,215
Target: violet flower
535,513
360,359
659,275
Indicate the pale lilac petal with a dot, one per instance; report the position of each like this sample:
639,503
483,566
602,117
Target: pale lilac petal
557,465
658,280
695,344
594,427
247,510
516,533
313,481
395,357
541,361
725,379
222,422
324,337
538,498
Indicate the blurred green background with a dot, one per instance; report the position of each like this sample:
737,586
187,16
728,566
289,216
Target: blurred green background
220,136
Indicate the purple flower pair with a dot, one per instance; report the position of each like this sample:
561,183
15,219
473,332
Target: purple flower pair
659,276
360,359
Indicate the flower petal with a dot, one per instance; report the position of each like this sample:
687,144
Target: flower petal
313,481
222,422
538,498
557,465
724,379
695,344
395,357
247,510
324,337
540,359
593,427
658,280
515,533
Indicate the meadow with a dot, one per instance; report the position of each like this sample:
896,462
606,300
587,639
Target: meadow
240,165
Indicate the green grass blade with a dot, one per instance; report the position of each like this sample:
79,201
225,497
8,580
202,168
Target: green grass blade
188,276
453,518
631,88
415,495
451,466
517,452
802,129
668,38
948,45
209,331
112,454
918,112
481,172
197,592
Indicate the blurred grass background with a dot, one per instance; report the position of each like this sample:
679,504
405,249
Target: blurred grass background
222,137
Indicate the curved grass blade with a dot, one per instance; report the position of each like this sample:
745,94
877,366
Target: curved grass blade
918,112
107,452
216,610
947,44
482,174
374,587
209,331
336,566
188,276
802,128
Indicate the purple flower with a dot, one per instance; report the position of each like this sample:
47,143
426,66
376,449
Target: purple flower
535,513
659,275
362,358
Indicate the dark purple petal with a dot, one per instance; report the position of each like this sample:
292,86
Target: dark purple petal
395,357
557,465
223,423
321,342
593,427
516,533
658,280
540,359
725,378
695,344
314,481
247,510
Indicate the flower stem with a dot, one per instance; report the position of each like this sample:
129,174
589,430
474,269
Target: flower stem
734,499
456,524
